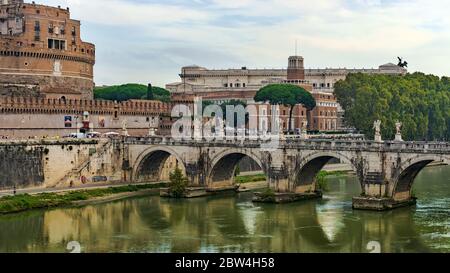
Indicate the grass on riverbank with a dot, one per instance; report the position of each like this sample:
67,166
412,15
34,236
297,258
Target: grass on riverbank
335,173
250,178
23,202
261,177
322,176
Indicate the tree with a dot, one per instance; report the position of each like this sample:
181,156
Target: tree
288,95
223,106
130,91
178,183
421,102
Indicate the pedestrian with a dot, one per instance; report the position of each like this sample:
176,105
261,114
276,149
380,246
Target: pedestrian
15,190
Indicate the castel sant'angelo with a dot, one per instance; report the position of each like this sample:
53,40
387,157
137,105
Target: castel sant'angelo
42,54
47,79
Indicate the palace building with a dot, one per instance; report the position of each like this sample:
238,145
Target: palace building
42,54
243,84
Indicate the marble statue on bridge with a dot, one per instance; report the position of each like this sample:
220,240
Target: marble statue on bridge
377,127
398,128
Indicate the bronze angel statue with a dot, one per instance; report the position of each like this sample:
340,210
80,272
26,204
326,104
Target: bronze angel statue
402,63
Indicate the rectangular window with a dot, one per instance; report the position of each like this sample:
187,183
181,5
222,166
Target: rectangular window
56,44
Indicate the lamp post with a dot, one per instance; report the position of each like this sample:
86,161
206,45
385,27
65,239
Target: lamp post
76,124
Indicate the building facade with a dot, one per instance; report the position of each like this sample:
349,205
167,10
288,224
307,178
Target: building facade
243,84
42,54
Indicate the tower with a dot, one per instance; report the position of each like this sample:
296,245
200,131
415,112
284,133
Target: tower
296,69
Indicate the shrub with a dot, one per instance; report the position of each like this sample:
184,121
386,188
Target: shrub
178,183
321,181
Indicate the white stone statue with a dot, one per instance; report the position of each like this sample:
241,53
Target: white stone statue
124,127
304,132
377,127
398,128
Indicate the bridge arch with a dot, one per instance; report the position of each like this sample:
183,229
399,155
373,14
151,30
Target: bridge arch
151,163
223,166
408,171
312,164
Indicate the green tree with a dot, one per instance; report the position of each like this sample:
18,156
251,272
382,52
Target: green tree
130,91
178,183
288,95
421,102
224,105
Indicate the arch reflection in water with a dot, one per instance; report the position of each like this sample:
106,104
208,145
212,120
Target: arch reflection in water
234,224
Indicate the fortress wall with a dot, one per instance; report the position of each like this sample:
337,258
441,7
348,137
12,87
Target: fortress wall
25,125
45,86
22,117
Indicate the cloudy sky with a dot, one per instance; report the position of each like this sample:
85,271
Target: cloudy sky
150,40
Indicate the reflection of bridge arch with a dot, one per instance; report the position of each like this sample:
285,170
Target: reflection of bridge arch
223,165
312,164
408,171
150,163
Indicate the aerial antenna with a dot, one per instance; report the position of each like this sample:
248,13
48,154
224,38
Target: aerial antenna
296,45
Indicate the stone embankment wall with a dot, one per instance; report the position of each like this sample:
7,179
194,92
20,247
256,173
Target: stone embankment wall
58,163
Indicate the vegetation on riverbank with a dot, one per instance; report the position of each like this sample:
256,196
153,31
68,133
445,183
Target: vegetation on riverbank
268,195
178,184
250,178
421,102
262,177
23,202
321,178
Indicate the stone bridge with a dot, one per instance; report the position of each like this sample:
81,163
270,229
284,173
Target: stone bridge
386,170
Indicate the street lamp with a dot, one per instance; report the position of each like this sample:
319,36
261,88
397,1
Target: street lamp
76,124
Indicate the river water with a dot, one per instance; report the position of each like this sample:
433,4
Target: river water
233,223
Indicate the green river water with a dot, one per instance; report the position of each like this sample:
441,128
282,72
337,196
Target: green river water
232,223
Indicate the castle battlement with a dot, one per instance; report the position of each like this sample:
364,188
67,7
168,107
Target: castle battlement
43,105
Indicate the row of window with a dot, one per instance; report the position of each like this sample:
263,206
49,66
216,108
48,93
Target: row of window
323,85
235,85
328,113
52,29
56,44
330,125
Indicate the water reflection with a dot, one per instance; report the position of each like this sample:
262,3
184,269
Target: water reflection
234,224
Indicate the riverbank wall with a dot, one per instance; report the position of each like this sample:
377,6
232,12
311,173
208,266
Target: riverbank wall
33,164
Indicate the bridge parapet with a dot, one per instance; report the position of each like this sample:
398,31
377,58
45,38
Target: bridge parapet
314,144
